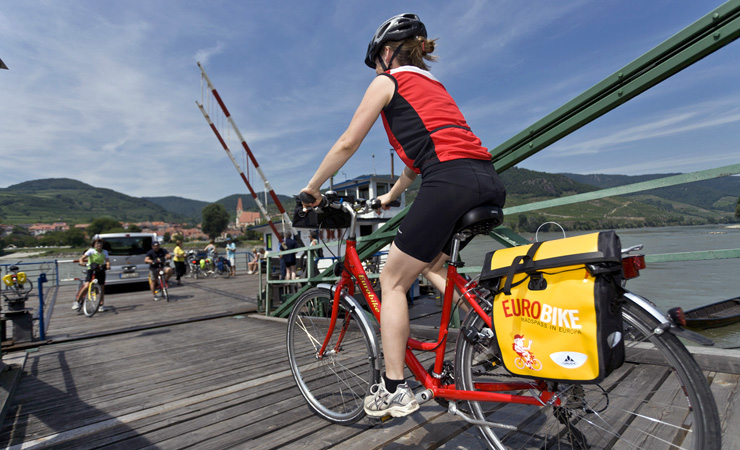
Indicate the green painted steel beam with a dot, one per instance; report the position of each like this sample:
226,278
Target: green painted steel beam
733,169
693,256
703,37
508,237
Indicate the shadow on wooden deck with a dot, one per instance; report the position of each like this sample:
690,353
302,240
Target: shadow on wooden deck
220,382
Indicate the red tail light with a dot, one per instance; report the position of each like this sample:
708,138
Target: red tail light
631,266
677,315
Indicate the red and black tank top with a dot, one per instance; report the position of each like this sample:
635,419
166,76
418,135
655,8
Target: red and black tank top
423,123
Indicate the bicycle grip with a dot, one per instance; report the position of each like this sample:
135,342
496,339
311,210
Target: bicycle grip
376,204
305,197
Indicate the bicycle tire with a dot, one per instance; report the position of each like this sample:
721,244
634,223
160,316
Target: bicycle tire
637,406
163,288
92,300
336,385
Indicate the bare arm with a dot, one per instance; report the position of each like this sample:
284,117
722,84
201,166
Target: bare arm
404,181
377,96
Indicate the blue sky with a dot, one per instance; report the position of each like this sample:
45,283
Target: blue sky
105,92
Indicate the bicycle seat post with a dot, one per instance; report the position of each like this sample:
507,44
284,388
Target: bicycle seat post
457,238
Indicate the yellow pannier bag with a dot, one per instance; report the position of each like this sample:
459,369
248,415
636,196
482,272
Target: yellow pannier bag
557,307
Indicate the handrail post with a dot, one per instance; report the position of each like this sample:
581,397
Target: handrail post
42,329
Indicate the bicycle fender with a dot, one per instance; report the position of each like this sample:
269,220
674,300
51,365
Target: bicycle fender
648,306
360,314
665,321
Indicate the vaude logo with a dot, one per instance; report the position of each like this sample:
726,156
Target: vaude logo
569,360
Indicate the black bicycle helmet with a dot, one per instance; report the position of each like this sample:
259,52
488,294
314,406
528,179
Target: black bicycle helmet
397,28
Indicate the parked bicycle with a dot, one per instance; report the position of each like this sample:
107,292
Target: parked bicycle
658,398
17,285
222,267
193,264
90,294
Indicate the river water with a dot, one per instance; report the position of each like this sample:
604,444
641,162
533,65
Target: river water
687,284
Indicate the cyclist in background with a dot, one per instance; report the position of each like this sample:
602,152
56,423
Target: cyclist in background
156,258
95,255
431,136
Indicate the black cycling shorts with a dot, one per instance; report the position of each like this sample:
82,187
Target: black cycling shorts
99,275
448,190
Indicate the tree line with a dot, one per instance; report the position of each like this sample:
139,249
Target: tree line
215,222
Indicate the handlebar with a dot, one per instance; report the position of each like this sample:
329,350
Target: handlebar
334,200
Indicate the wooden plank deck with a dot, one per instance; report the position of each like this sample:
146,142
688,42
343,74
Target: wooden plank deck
140,376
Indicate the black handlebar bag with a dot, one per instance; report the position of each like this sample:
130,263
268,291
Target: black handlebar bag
326,217
557,307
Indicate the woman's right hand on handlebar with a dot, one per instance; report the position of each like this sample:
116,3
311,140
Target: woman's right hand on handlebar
315,193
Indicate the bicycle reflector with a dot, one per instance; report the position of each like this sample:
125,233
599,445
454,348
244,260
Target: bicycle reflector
677,316
631,266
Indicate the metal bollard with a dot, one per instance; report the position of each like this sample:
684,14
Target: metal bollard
42,329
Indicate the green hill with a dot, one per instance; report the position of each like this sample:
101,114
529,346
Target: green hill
179,206
71,201
718,193
193,208
701,202
710,201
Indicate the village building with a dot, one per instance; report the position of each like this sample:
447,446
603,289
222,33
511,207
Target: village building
245,218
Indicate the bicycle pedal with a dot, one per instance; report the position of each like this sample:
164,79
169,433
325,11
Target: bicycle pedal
379,420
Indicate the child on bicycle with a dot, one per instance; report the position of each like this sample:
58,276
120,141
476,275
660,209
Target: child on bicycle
431,136
95,255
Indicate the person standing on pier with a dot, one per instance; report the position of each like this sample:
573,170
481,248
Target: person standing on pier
231,255
179,260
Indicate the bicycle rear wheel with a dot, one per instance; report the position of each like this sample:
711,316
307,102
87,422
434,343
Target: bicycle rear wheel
658,399
92,300
335,383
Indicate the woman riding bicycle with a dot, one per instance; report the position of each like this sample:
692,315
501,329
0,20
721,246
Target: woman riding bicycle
431,136
98,256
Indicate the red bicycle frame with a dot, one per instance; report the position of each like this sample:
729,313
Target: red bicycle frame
489,392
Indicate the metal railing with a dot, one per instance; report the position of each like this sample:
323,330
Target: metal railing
45,278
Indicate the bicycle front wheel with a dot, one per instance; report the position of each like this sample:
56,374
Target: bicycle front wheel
333,383
659,398
165,290
92,300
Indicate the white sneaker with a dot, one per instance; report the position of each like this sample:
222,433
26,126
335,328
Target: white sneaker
102,308
76,306
381,403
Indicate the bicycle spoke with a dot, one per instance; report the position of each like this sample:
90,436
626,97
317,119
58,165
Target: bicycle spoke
657,399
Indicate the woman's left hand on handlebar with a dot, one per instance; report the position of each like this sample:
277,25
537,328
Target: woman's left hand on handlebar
385,199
